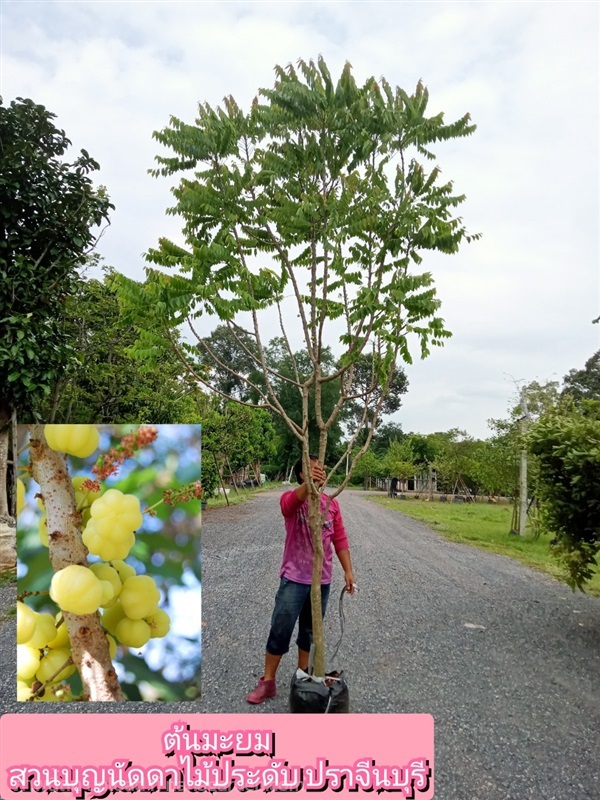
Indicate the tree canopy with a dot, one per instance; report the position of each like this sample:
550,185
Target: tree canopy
584,383
49,213
104,382
315,193
315,206
566,442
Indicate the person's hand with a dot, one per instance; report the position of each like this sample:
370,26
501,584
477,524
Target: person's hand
317,473
351,586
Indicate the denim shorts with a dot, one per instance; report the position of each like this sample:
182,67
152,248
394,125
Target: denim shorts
292,604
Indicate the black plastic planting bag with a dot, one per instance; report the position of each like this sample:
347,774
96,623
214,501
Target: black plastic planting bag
308,696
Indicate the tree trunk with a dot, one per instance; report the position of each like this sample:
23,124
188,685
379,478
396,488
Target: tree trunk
8,525
89,644
315,520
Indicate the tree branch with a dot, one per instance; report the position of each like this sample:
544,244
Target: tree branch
89,644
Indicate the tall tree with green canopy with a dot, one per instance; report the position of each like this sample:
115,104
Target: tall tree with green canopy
105,383
314,206
584,383
49,213
288,367
566,442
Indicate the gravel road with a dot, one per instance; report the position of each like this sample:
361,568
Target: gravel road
506,659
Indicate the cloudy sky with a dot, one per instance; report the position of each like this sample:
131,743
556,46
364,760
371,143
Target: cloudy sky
520,301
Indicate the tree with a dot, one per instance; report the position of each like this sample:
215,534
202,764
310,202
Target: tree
231,349
399,461
495,466
48,212
369,467
313,205
105,383
384,435
584,383
369,393
452,459
566,442
288,366
234,437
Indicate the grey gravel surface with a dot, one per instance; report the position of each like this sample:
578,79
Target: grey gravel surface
516,700
506,659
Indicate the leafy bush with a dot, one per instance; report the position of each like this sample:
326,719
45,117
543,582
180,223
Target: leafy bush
566,441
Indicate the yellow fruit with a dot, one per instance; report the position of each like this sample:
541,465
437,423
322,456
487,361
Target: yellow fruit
108,593
123,570
84,497
52,662
116,513
76,589
160,624
45,631
28,660
112,616
23,690
107,546
104,572
139,597
62,636
25,623
133,632
76,440
112,646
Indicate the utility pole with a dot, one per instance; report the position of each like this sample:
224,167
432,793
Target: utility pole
523,471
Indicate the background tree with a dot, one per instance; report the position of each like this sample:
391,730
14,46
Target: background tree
365,386
384,435
234,437
231,349
495,466
452,459
566,442
49,210
104,383
399,460
313,199
287,366
584,383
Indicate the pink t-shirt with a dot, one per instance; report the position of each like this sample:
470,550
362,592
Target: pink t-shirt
298,549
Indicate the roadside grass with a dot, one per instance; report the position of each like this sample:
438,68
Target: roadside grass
241,496
8,577
486,526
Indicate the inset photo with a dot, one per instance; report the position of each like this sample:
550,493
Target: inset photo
109,565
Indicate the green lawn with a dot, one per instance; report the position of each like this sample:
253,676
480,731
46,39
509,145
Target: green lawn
483,525
240,497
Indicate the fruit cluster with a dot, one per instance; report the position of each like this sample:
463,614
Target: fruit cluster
43,653
114,518
128,603
130,613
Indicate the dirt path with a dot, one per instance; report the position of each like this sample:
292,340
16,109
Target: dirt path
506,659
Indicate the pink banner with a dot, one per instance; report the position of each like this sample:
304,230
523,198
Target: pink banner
111,755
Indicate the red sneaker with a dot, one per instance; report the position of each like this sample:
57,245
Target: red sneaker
263,690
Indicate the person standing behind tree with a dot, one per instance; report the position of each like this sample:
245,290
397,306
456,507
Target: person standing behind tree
292,602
